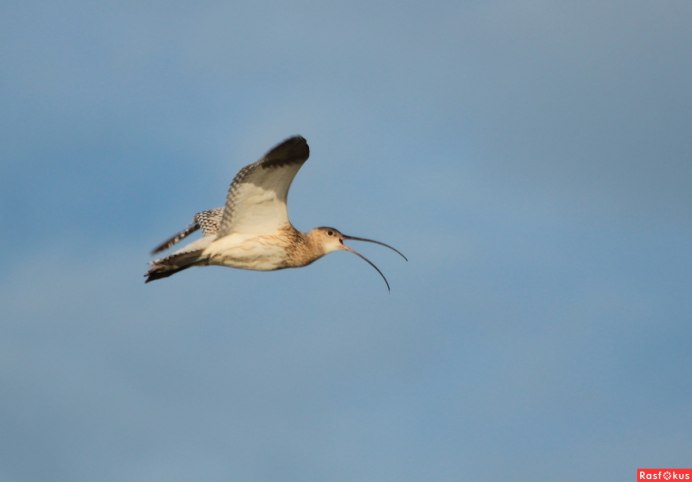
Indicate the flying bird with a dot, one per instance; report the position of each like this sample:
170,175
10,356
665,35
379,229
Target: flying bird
253,231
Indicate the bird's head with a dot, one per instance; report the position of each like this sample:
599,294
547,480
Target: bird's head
331,239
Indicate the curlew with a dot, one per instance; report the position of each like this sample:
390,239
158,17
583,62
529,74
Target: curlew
253,231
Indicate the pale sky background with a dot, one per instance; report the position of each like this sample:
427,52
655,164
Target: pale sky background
532,158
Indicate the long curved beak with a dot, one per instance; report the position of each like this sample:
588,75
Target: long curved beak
351,250
355,238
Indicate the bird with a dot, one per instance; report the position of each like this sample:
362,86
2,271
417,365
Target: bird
252,230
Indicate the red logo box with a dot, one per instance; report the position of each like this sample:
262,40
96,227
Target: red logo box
664,474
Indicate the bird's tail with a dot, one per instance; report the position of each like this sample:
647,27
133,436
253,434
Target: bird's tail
164,267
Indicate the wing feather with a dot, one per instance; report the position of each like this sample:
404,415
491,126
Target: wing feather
257,197
208,220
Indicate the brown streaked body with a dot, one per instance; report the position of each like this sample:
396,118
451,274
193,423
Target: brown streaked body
253,231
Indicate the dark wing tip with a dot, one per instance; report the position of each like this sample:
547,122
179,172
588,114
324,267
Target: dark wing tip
292,150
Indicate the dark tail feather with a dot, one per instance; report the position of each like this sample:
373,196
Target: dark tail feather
165,267
176,238
159,273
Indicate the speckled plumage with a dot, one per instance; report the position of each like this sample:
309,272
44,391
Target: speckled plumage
209,221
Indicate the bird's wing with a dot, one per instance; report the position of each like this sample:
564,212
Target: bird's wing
256,201
208,220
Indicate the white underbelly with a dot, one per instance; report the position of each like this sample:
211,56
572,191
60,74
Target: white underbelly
261,253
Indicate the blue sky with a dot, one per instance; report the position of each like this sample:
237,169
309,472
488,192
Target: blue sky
532,159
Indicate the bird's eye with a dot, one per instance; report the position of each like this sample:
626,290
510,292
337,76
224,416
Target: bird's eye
330,232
